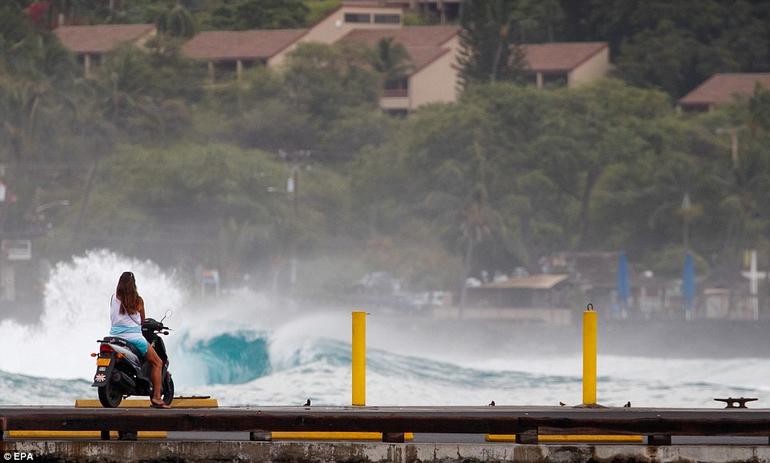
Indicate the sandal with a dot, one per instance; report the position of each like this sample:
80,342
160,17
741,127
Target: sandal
159,404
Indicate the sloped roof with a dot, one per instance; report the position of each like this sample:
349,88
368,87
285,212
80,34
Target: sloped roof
541,281
392,3
423,56
253,44
409,36
722,88
547,57
560,56
369,4
423,43
100,38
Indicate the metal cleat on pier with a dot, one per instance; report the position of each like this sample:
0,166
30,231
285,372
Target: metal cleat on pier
740,402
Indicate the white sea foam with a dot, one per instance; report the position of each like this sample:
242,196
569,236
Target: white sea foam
76,314
280,355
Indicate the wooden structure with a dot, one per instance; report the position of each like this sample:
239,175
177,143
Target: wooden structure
539,298
526,422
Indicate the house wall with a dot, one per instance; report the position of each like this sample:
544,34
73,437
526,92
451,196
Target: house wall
93,59
334,27
142,41
394,102
594,68
437,82
454,46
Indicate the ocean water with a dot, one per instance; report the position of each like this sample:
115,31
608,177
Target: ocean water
245,349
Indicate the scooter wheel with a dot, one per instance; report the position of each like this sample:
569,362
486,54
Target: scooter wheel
109,397
168,389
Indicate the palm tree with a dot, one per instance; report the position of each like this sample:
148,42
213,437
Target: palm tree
475,227
463,213
20,105
392,61
176,22
61,12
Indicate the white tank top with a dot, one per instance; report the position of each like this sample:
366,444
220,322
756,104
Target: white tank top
123,319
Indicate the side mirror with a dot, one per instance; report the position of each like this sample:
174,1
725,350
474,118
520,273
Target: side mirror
166,315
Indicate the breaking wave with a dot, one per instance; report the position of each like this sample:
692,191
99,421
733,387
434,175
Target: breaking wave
245,350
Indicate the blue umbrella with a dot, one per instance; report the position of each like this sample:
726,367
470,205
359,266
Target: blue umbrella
688,284
624,287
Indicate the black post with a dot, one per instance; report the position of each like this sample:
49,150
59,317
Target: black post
393,437
127,435
528,436
261,436
104,435
659,439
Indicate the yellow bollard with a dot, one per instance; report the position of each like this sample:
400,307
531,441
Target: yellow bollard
590,318
589,355
359,359
359,392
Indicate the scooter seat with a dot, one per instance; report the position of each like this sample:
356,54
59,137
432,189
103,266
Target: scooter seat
123,343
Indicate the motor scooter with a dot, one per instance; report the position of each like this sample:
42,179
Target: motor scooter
121,370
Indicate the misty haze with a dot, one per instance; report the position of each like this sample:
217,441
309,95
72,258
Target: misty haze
472,174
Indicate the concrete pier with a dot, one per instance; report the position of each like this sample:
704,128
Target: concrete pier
319,452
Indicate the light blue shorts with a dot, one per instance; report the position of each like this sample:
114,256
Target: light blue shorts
133,335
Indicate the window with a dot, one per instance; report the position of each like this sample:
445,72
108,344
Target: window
555,80
358,18
396,88
252,63
401,83
226,69
387,19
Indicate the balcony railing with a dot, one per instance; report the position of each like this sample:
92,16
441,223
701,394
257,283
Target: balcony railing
395,93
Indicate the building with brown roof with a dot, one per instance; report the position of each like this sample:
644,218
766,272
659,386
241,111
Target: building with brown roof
566,63
433,52
365,15
232,51
227,51
443,10
91,43
723,88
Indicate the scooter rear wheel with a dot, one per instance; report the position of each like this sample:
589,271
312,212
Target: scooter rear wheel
109,397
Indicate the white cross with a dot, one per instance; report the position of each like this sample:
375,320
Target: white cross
754,276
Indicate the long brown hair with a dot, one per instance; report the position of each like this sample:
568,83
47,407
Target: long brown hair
127,294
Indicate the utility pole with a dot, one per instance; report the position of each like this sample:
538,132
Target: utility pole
686,206
294,160
733,133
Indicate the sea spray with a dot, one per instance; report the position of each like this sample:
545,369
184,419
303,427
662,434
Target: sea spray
76,314
246,350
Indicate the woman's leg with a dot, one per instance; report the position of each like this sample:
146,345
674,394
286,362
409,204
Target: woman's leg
152,357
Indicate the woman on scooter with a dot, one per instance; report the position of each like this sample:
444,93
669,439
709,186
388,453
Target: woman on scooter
127,316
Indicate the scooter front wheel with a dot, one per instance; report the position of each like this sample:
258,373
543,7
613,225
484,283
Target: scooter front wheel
168,389
109,397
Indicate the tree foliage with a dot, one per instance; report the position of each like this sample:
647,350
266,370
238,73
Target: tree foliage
489,39
259,14
184,171
176,22
392,61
